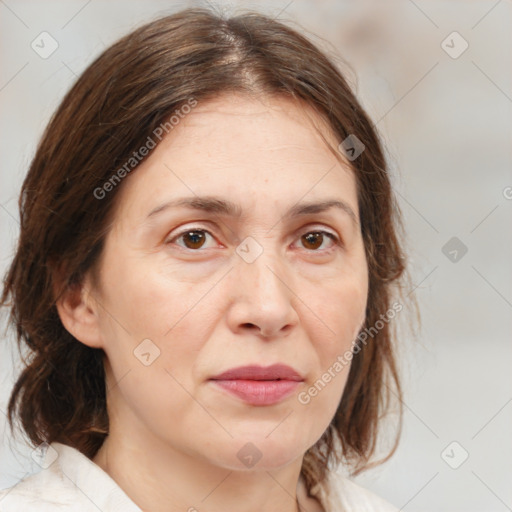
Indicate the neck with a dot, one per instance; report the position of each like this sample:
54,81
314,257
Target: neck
163,479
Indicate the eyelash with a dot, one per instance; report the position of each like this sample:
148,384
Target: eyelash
330,235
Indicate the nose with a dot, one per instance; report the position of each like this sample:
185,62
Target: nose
262,298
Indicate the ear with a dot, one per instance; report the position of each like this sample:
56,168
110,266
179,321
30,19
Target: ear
79,313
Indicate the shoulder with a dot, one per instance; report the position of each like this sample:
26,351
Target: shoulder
67,481
43,491
347,496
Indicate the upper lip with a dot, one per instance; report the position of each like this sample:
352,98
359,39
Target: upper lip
255,372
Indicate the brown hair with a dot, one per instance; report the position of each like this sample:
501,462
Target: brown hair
119,100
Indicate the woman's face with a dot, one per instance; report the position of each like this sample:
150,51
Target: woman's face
188,292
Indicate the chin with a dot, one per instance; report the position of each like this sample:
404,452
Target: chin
259,453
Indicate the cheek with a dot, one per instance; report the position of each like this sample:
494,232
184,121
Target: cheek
342,308
344,315
154,304
153,343
148,332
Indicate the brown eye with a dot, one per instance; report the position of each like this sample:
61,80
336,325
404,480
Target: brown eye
192,238
314,239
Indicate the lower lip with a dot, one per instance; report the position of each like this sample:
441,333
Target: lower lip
259,392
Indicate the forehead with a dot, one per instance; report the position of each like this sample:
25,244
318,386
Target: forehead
263,122
269,151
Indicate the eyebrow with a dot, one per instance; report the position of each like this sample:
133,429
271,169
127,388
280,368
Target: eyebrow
221,206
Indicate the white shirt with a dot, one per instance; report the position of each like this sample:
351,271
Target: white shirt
70,481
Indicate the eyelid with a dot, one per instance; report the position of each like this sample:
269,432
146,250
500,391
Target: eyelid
184,231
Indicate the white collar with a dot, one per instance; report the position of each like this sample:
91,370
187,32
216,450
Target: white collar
89,478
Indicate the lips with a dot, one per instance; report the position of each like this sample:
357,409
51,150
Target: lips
259,385
254,372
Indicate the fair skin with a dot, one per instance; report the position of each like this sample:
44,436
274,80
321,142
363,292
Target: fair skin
174,435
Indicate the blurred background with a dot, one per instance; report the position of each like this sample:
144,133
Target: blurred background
436,78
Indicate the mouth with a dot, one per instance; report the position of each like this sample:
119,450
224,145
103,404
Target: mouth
258,385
